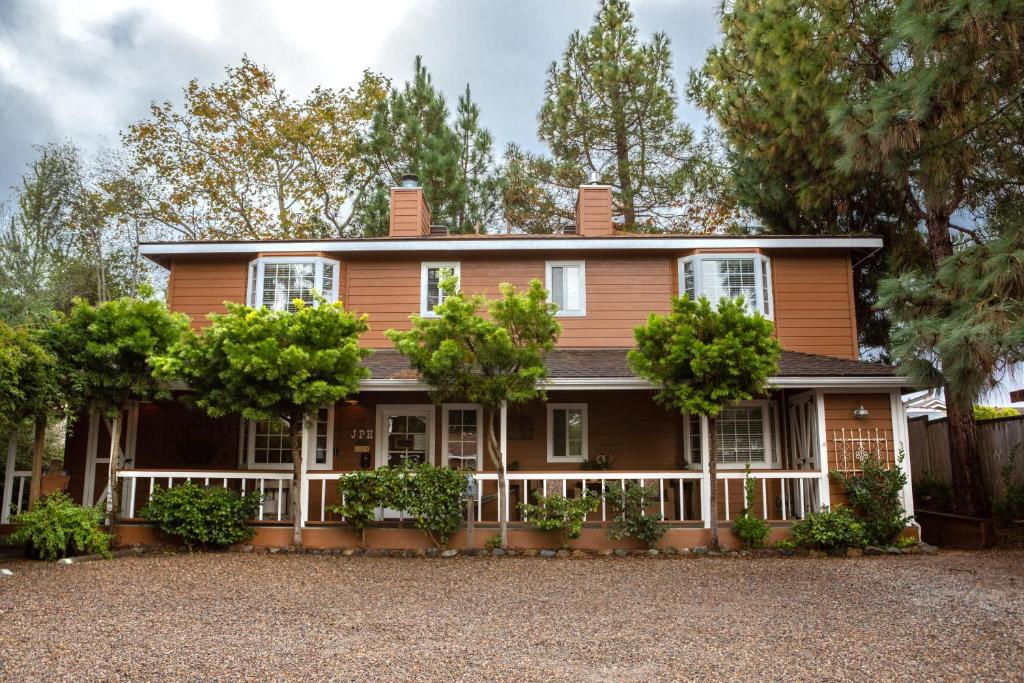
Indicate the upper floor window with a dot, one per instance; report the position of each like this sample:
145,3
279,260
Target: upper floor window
567,286
720,276
431,294
277,282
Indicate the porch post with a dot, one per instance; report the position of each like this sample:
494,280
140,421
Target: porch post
503,447
824,497
901,441
308,449
12,452
91,454
705,479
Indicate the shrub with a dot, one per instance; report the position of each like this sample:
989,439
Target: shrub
432,496
876,497
556,513
212,516
830,529
627,504
993,412
55,527
359,496
598,462
750,530
1009,507
931,493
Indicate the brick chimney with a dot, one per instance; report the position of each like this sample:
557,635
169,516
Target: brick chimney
594,210
410,215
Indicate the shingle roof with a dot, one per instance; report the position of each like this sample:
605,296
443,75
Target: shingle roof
612,363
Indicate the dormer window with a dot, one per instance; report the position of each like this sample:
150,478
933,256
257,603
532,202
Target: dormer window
277,282
719,276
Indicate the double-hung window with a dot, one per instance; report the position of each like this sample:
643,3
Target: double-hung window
567,432
727,276
267,445
431,294
278,282
567,287
463,435
747,433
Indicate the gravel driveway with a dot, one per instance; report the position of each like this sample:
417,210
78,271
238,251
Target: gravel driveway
262,617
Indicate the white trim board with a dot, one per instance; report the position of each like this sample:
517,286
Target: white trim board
441,244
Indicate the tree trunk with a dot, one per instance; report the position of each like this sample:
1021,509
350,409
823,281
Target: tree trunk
38,450
295,424
494,452
968,486
713,474
622,164
113,497
940,244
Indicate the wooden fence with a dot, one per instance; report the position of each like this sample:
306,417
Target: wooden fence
998,441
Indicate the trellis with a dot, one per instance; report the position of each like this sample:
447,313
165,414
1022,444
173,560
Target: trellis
852,446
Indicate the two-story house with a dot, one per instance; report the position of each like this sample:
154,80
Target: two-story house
826,407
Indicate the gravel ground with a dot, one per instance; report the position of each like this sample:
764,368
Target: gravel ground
954,616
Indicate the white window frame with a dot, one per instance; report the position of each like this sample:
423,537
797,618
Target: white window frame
762,271
248,447
445,407
386,410
257,269
582,265
770,425
551,408
454,266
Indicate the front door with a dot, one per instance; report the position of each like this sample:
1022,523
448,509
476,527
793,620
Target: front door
406,434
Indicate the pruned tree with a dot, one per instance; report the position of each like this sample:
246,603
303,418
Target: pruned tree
242,159
106,349
272,365
702,360
489,352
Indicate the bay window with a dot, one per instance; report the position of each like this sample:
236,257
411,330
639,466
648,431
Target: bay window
727,276
277,282
567,287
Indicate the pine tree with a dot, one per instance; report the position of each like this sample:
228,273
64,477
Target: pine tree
411,133
610,109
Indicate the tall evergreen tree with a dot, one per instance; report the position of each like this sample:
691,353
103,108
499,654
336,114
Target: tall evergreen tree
610,109
411,133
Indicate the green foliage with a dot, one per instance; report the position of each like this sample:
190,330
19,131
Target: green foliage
876,495
431,495
107,348
411,133
264,365
208,516
830,529
1008,508
750,530
627,506
493,542
786,544
932,493
906,542
555,513
597,463
31,378
702,359
362,495
994,412
610,107
55,526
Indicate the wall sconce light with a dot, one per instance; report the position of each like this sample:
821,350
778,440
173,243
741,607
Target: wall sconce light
352,401
860,412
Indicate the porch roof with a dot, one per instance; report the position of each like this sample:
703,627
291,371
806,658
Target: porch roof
611,364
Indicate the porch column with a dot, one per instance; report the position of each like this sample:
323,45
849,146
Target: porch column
705,479
12,452
824,497
901,443
308,450
503,447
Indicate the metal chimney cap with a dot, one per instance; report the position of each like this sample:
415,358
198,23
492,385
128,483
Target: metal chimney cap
594,178
410,180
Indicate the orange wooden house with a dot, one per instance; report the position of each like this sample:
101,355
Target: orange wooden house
826,407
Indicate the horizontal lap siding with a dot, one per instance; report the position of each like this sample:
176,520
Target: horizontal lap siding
839,415
198,287
813,295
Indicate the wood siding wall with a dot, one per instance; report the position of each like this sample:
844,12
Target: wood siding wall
839,415
813,292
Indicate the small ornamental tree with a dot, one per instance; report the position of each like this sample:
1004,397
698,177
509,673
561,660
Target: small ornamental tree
272,365
106,349
703,360
486,352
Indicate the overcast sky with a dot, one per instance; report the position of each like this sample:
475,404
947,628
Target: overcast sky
85,70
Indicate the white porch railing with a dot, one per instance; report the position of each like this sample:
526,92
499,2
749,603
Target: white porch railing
15,498
796,493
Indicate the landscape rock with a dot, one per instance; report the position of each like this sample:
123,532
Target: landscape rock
605,552
530,552
578,553
854,552
893,550
653,552
874,550
547,553
928,549
450,552
6,572
247,548
498,552
817,554
66,561
621,552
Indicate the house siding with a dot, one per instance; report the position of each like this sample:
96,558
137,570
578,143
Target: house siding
814,309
